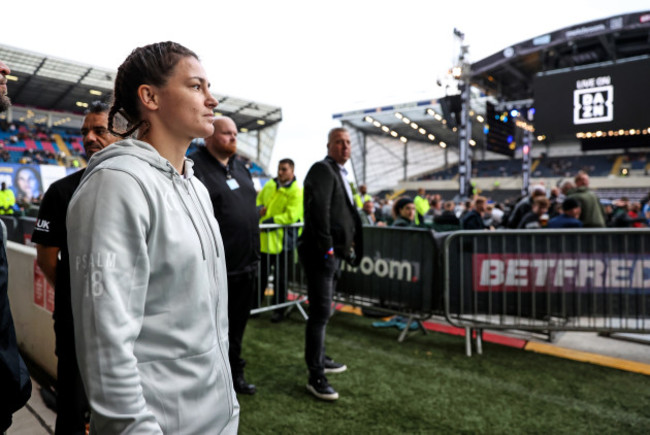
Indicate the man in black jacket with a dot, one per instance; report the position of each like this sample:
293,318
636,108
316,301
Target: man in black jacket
332,232
15,385
233,197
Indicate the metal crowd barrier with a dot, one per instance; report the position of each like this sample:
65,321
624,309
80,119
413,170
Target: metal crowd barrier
285,287
547,280
395,276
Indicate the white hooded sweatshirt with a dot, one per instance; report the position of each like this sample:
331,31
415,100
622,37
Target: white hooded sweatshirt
149,297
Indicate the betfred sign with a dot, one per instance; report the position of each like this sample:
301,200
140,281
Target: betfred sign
599,273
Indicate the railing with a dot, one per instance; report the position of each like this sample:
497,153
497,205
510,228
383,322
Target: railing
547,280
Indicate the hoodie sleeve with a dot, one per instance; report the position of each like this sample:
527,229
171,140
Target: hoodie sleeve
108,223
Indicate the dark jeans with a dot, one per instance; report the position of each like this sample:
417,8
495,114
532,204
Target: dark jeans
71,402
321,282
277,265
241,289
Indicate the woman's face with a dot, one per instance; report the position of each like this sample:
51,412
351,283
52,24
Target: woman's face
185,105
27,182
408,212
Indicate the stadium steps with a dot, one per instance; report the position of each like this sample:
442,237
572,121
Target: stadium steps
64,147
616,167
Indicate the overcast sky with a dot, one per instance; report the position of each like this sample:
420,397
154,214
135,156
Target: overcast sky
313,59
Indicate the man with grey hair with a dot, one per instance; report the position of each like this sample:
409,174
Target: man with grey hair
50,235
332,233
14,377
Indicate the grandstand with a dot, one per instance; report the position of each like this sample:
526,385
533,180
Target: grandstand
49,95
404,146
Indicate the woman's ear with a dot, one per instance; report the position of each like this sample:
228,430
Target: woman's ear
148,97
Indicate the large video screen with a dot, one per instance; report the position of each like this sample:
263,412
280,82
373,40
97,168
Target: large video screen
609,97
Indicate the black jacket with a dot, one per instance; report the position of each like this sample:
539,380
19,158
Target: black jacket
234,209
331,220
15,384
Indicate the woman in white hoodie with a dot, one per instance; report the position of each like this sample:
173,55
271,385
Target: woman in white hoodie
148,274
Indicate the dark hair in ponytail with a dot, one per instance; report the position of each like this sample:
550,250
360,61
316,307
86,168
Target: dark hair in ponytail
150,65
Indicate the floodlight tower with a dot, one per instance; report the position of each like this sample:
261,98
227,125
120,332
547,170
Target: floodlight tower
461,72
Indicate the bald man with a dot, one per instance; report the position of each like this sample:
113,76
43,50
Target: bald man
234,200
592,215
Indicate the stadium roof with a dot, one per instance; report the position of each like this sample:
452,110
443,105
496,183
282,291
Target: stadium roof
44,82
509,73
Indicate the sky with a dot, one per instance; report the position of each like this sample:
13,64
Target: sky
312,59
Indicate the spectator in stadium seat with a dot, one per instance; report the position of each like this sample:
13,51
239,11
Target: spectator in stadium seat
52,256
447,221
568,218
362,196
233,197
537,217
592,215
148,275
332,232
404,213
474,219
279,202
525,205
367,215
14,377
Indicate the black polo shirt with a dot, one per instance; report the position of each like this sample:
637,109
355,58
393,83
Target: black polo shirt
234,208
50,230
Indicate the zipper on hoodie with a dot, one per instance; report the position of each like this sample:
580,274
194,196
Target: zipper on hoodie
209,229
196,228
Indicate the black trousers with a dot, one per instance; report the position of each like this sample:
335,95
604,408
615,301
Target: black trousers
241,289
321,282
71,403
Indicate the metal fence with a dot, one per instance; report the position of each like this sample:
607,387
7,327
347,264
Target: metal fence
395,276
547,280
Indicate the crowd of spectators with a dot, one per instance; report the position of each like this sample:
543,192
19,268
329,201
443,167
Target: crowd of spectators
571,204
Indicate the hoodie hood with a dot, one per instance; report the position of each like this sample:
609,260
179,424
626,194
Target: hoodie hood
140,150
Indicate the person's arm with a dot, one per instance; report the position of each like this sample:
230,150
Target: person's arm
46,258
320,183
292,212
108,224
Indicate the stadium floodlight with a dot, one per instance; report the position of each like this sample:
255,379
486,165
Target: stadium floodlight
479,118
95,92
376,123
243,130
431,137
393,133
472,142
368,119
405,120
403,139
443,145
261,122
399,115
385,129
81,104
12,78
415,126
422,131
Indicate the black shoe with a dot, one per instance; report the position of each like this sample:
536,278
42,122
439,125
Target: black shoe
277,317
332,366
241,387
319,387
